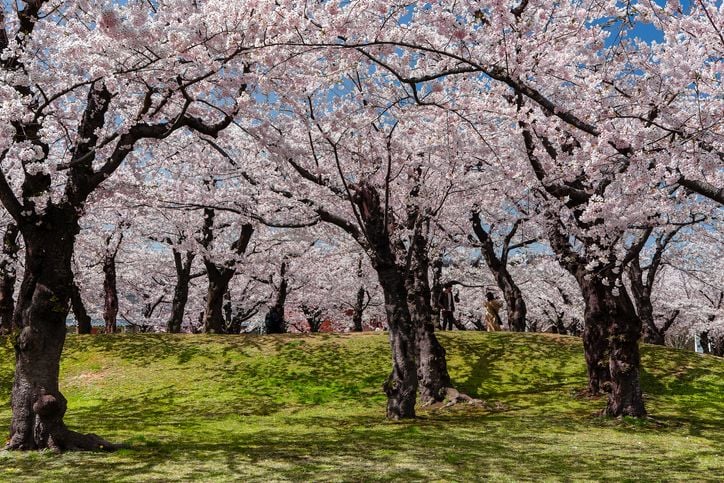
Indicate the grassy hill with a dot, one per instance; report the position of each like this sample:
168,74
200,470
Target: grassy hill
310,408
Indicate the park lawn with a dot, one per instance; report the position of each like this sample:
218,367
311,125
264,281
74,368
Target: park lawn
310,408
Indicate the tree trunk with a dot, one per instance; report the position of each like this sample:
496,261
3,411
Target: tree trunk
515,305
8,266
498,265
181,291
81,314
611,332
358,310
596,335
274,321
612,329
626,398
110,291
219,279
401,384
642,299
37,404
432,374
219,275
436,291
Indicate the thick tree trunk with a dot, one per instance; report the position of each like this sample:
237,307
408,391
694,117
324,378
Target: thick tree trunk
37,404
626,398
219,279
642,299
274,321
110,291
8,265
597,314
515,305
401,384
432,374
358,310
79,311
611,337
219,275
181,291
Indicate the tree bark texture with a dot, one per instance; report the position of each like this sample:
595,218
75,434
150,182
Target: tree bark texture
401,385
274,321
43,304
611,342
219,278
358,310
219,275
82,318
8,265
181,290
110,294
611,333
432,374
514,302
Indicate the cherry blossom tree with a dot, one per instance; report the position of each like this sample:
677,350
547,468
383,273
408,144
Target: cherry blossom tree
598,131
82,90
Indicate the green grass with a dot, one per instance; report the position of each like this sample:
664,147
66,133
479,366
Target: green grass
310,408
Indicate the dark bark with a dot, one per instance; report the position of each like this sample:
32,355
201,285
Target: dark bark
8,265
611,333
313,314
401,385
359,304
219,278
596,313
611,342
110,293
642,283
181,290
433,378
626,398
43,304
220,275
436,291
82,318
274,321
515,305
358,310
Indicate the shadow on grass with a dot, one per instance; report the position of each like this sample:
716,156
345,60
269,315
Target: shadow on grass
365,448
244,410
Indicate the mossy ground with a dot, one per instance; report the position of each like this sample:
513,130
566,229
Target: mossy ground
310,408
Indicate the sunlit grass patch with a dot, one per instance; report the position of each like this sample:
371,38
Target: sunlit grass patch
310,408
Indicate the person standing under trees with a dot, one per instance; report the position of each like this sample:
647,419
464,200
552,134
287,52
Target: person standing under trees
447,307
492,307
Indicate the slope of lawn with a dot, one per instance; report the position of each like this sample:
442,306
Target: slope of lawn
310,408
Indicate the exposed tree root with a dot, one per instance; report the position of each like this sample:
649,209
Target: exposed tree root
64,440
454,397
587,394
